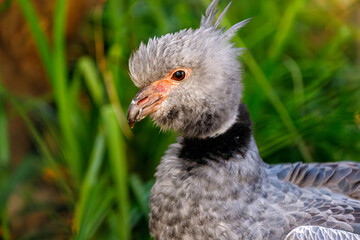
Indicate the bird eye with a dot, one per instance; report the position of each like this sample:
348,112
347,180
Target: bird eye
178,75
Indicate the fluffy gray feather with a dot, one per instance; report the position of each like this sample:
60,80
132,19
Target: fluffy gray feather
340,177
240,198
211,95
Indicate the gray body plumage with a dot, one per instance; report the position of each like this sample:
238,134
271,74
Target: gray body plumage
242,198
212,183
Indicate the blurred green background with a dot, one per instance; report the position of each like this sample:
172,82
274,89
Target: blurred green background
70,167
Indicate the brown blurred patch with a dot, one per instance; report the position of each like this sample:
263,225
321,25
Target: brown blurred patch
39,211
21,70
337,13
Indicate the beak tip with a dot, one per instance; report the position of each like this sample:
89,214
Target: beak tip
131,122
146,101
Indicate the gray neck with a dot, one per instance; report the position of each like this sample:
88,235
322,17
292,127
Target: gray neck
223,128
234,151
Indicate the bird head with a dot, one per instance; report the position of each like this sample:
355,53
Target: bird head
190,81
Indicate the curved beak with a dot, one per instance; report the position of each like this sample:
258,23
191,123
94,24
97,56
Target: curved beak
148,100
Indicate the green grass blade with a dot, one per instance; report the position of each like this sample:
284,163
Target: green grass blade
115,103
297,78
5,226
118,165
71,146
75,86
4,136
38,34
88,69
97,208
102,209
284,28
357,119
139,191
42,146
90,179
115,11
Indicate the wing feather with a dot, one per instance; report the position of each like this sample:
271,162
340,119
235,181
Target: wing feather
320,233
340,177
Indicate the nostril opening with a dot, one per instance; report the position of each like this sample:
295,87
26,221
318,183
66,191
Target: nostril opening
143,100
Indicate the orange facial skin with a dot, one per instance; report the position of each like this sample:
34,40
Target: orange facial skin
149,98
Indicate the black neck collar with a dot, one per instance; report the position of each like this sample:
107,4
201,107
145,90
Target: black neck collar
222,147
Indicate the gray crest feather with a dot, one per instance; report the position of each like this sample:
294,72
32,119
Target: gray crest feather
231,31
210,15
151,60
208,19
218,21
241,50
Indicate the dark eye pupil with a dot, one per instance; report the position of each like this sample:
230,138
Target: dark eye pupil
179,75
